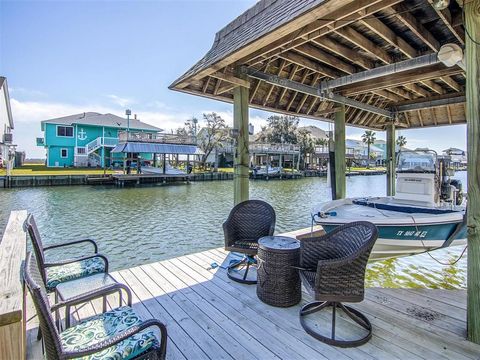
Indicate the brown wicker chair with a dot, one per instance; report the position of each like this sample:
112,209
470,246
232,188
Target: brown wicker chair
54,273
333,271
119,333
247,223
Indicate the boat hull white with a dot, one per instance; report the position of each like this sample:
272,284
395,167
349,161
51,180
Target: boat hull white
403,230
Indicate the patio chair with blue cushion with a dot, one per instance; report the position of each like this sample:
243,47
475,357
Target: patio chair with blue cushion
54,273
116,334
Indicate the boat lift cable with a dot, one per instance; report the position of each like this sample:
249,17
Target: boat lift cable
440,247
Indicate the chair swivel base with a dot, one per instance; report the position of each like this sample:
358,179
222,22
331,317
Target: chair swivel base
236,273
353,314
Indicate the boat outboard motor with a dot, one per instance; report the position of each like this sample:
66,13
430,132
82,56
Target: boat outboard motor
451,189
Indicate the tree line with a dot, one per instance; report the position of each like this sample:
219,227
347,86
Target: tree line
280,129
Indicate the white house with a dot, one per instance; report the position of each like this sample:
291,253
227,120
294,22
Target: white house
7,149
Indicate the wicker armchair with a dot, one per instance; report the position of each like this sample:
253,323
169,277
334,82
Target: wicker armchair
116,334
247,223
333,271
54,273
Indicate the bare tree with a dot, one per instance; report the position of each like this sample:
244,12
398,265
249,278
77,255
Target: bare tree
212,135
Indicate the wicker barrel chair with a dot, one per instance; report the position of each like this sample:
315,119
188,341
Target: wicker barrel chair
54,273
247,223
117,334
333,271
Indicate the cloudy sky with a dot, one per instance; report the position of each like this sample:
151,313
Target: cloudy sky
68,57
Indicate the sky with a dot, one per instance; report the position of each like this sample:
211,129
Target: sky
68,57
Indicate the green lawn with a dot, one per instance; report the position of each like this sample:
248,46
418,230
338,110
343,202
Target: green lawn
38,169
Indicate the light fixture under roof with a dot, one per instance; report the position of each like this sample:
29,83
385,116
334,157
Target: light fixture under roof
441,4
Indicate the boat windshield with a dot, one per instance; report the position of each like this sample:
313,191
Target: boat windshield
416,161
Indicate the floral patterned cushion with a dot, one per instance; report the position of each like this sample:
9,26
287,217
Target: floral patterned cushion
76,270
105,326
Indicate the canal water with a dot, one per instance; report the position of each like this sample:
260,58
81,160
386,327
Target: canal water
145,224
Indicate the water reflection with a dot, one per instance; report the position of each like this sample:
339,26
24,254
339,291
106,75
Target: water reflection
146,224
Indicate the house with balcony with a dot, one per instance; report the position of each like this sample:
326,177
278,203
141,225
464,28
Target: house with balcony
7,149
87,139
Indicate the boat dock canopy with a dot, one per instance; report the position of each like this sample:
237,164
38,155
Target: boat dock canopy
139,147
385,60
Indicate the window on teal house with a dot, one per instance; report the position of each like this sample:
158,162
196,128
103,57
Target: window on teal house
64,153
65,131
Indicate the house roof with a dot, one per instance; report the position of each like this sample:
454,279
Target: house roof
94,118
4,88
302,57
139,147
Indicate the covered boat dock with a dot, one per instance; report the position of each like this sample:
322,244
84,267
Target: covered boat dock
379,64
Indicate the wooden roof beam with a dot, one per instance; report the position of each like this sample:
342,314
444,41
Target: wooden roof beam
402,14
344,51
361,41
307,89
279,72
309,64
400,79
389,36
452,83
417,90
434,86
284,89
432,101
387,95
231,79
253,91
294,95
446,17
305,96
343,16
320,55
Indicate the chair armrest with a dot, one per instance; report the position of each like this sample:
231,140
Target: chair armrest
92,295
122,336
74,242
70,261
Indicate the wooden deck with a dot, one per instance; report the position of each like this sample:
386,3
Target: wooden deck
210,317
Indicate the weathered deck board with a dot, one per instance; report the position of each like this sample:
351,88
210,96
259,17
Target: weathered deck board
209,316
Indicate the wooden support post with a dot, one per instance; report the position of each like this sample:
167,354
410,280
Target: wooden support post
12,291
390,159
340,153
164,163
472,57
240,122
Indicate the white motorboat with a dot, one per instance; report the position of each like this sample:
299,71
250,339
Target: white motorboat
169,170
268,170
425,214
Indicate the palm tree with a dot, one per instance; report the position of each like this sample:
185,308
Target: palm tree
401,141
368,138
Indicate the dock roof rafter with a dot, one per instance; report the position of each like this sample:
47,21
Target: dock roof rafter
301,55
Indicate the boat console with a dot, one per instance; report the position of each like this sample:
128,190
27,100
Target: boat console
424,180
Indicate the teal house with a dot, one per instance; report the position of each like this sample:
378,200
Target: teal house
87,139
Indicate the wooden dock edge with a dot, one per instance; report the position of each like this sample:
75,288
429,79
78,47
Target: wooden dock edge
12,289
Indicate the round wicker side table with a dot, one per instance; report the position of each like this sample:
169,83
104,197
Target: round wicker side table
278,282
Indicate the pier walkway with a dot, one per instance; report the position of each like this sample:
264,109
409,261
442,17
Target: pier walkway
210,317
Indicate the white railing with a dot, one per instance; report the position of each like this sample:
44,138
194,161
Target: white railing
157,138
99,142
109,141
94,145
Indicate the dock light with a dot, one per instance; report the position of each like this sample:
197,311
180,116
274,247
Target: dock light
441,4
451,54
